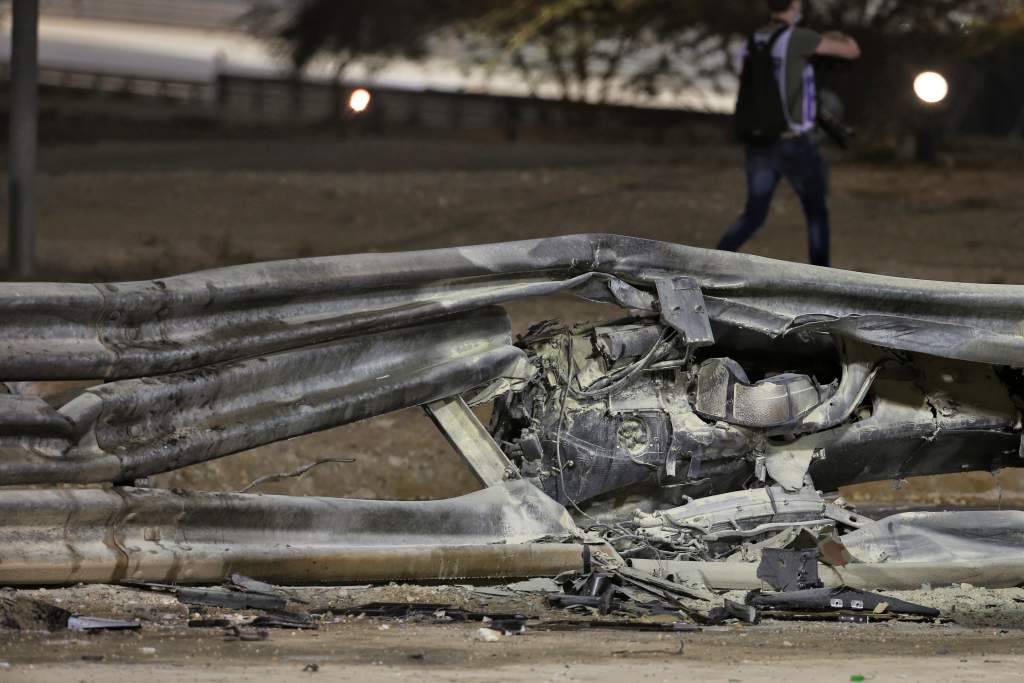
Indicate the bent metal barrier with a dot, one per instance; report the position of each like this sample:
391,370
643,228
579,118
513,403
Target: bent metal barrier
171,372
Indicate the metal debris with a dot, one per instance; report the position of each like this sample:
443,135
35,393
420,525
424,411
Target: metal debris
240,582
837,601
623,590
748,614
284,620
215,597
99,624
789,570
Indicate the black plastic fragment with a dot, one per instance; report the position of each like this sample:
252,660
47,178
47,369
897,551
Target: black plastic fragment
209,623
285,620
836,600
216,597
507,627
605,604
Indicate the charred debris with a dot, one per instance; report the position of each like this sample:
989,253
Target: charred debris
653,463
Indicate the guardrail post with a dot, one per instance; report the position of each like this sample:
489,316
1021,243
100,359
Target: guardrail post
24,134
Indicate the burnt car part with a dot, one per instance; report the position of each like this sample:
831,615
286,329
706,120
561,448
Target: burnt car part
631,412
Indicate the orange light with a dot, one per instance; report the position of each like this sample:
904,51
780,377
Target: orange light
359,100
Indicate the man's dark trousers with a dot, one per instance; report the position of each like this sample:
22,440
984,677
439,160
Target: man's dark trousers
798,160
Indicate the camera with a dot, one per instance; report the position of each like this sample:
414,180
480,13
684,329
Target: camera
830,119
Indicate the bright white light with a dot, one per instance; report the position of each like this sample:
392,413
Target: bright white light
931,87
359,101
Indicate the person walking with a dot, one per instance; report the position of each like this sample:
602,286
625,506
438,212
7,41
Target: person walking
776,112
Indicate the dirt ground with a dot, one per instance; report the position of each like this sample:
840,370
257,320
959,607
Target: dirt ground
985,645
128,210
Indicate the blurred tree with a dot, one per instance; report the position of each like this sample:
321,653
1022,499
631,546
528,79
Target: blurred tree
347,31
650,46
900,39
592,50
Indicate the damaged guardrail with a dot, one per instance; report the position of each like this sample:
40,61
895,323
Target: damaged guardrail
108,535
734,393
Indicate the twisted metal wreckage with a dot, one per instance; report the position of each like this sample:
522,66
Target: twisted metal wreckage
684,438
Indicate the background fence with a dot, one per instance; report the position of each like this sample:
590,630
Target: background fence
238,100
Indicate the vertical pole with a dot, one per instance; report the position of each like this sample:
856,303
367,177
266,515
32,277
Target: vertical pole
22,146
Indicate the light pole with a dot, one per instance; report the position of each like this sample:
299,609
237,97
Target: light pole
23,135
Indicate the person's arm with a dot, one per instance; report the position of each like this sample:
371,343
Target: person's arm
836,44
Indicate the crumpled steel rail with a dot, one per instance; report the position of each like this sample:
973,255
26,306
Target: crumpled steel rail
134,329
216,362
137,427
108,535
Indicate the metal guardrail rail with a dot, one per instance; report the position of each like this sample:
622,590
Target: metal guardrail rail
203,365
129,85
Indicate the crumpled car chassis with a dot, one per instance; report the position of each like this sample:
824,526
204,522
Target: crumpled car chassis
703,425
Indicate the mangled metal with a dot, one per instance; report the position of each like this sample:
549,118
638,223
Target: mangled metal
700,428
667,423
132,428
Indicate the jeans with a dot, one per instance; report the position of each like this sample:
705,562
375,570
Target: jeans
799,162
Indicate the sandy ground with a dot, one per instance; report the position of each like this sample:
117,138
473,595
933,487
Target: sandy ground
986,645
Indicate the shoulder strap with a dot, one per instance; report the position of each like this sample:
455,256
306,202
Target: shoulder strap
753,44
778,34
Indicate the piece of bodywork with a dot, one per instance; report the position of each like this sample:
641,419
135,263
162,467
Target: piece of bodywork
703,425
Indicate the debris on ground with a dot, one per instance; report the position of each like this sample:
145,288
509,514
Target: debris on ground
789,570
730,609
100,624
244,584
837,601
436,612
245,634
284,620
489,635
495,629
598,624
216,597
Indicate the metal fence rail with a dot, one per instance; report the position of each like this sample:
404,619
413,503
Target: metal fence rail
282,101
209,14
